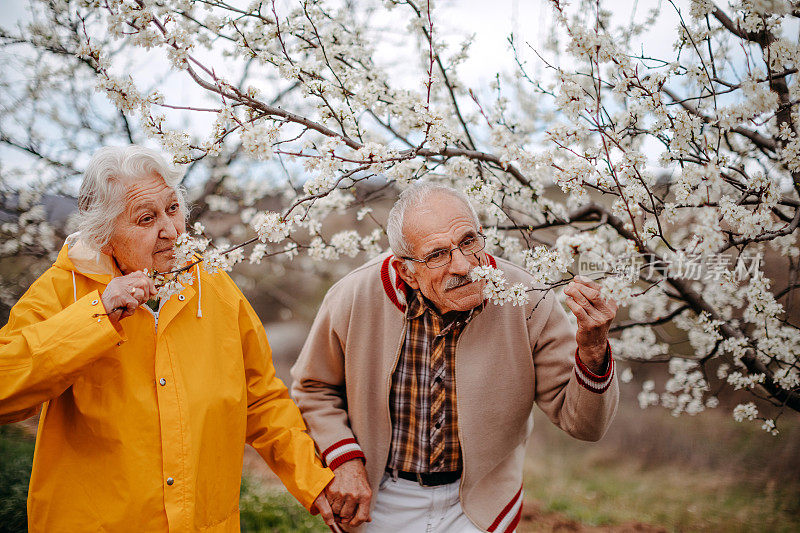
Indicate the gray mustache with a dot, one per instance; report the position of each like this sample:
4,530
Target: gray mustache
457,281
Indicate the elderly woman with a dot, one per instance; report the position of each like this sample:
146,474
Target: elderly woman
145,409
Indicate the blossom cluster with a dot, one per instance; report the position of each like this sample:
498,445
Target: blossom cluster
496,288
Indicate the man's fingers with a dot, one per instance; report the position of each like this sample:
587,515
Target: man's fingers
591,310
362,515
593,292
596,307
336,505
348,510
590,293
578,298
583,280
578,310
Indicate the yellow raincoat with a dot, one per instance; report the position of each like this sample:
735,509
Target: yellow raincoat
144,429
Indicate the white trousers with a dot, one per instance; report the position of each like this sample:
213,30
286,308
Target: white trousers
403,506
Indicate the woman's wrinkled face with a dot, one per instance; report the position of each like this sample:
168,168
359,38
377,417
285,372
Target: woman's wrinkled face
145,233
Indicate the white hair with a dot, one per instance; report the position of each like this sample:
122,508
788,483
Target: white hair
112,169
410,199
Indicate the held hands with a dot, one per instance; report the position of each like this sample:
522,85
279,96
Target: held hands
594,314
349,494
323,508
125,293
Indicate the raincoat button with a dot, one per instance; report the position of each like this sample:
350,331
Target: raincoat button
162,381
170,481
181,297
94,302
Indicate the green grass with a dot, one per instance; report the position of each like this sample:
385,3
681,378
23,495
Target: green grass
265,510
612,484
677,500
16,457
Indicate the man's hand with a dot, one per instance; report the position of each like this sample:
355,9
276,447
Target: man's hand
594,314
349,493
323,508
125,293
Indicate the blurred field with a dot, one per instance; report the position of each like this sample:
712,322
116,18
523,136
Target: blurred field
654,472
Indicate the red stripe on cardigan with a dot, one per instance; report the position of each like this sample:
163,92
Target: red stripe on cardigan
591,375
506,510
355,454
339,444
591,381
387,285
515,522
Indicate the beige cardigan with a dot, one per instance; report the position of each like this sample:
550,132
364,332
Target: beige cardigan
507,358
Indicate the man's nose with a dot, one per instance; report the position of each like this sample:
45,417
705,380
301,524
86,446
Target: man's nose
459,263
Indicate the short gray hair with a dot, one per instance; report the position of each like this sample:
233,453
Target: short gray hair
410,199
101,198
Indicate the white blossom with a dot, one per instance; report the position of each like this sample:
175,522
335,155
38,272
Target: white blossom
270,226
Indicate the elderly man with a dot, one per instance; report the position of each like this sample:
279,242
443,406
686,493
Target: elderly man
146,408
420,393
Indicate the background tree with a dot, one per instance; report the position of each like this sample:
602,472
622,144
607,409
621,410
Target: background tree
679,176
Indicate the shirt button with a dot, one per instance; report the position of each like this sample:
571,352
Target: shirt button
94,302
162,381
181,297
170,481
119,343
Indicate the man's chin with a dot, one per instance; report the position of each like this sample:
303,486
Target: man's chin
468,301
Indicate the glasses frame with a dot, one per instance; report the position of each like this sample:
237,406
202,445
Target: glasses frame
450,252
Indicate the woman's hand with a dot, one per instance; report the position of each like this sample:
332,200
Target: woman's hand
125,293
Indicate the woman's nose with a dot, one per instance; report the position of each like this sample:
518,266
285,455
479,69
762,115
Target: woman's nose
168,230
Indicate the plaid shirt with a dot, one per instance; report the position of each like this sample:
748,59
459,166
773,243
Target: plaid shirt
423,396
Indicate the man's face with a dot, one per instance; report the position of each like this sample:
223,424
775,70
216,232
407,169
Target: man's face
442,222
145,232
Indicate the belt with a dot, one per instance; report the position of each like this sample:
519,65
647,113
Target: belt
431,479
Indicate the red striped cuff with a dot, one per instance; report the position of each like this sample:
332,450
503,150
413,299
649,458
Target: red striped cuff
341,452
591,381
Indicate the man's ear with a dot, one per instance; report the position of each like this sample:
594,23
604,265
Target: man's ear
404,272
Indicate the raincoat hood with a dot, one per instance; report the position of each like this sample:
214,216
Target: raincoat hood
78,256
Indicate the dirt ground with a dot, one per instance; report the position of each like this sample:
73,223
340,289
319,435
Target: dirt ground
535,521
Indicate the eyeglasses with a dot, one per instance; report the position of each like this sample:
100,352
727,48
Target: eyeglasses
440,258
